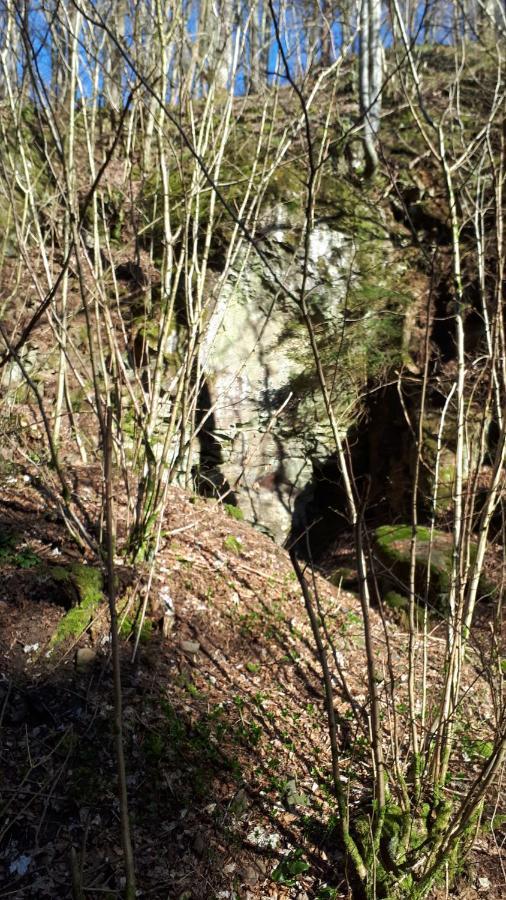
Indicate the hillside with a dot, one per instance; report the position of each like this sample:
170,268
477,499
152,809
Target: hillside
226,741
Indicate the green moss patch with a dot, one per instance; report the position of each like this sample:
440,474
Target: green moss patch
395,600
393,551
82,587
392,545
129,627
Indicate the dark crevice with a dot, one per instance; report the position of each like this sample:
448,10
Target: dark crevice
208,476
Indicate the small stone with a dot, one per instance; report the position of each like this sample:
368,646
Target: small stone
84,657
239,803
199,844
250,876
168,624
483,884
264,839
190,647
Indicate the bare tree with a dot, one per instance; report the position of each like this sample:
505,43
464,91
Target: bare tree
371,78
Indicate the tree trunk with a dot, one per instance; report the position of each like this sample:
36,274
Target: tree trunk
220,22
370,79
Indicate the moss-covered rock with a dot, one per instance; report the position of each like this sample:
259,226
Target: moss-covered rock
444,460
344,577
82,587
392,544
270,419
396,601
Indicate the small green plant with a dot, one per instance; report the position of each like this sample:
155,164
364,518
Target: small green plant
176,730
235,512
289,869
248,623
481,749
233,544
154,745
128,628
259,699
326,893
192,689
11,554
292,656
249,733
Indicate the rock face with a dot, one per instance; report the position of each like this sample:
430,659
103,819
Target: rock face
267,417
264,436
263,428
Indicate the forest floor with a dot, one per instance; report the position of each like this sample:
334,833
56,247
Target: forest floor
227,749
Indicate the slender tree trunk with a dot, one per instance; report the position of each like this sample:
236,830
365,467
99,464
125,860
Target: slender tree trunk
9,47
326,35
220,21
113,63
370,61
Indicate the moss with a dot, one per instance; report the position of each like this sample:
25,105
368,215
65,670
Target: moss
234,511
445,487
395,600
128,627
87,580
82,585
393,551
344,577
403,833
446,469
72,625
350,208
387,535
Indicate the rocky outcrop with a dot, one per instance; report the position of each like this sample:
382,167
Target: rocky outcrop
264,401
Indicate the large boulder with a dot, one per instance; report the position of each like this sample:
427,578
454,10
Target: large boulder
267,411
392,550
265,405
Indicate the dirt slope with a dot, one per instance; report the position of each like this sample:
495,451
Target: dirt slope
227,752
